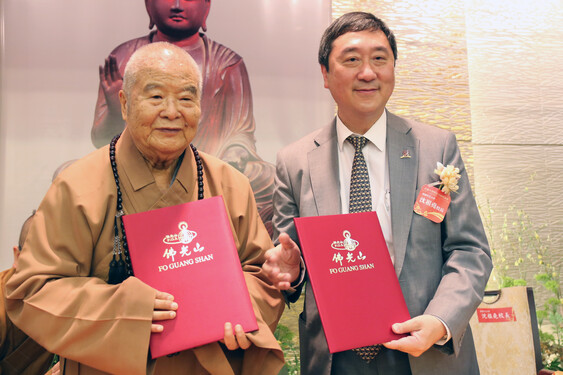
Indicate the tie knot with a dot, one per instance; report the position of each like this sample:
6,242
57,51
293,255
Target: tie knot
357,142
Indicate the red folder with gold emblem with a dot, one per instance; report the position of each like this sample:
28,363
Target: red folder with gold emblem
188,251
355,286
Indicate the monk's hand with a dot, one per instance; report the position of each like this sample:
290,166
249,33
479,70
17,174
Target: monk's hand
425,331
111,82
164,309
283,263
235,339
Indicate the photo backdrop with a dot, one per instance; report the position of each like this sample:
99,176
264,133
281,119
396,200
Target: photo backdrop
489,71
51,51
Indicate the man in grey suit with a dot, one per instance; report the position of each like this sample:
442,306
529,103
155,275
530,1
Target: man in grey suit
442,267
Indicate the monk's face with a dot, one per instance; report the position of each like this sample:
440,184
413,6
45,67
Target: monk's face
162,110
178,18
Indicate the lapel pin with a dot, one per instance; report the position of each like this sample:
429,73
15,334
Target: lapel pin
406,154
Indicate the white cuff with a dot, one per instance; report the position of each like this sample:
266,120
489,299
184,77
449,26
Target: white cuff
447,336
301,277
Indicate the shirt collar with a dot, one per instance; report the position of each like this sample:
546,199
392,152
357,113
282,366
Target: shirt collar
376,134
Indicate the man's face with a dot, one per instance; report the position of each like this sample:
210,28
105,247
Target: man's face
163,109
361,76
178,17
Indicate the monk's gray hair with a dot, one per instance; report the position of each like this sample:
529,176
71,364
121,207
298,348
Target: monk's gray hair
146,55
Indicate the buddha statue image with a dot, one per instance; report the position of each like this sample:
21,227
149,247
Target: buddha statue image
226,128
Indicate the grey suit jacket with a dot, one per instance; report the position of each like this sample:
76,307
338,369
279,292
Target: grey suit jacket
442,268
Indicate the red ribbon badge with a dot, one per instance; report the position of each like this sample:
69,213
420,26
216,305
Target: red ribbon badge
432,203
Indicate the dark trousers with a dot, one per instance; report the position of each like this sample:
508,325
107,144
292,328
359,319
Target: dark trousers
388,362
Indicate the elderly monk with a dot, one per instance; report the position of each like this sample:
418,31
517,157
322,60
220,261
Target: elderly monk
59,294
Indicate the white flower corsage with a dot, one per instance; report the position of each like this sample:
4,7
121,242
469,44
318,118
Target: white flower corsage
449,176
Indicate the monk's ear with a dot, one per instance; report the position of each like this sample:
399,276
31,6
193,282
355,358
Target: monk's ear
123,101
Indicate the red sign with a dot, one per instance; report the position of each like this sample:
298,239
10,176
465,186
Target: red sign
495,315
344,254
188,250
432,203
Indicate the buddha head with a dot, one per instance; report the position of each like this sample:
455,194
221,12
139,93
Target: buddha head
178,18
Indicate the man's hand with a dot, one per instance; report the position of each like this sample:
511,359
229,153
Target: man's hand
55,370
237,339
164,309
283,263
425,331
111,82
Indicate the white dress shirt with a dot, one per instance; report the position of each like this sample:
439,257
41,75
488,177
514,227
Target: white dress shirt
375,155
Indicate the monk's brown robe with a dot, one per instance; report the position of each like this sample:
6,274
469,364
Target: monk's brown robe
59,294
19,354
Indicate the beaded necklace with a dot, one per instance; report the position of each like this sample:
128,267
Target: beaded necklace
120,266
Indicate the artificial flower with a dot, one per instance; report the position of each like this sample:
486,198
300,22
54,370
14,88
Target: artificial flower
449,176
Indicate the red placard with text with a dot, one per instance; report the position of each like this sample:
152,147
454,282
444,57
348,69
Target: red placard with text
188,251
495,315
432,203
353,279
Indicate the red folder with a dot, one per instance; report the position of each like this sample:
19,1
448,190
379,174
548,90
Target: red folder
355,286
188,251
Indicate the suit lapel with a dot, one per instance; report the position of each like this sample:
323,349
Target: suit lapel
323,167
402,149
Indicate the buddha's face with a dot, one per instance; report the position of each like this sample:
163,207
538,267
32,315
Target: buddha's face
178,18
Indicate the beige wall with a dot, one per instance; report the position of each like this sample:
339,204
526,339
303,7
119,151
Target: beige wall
488,70
515,52
49,57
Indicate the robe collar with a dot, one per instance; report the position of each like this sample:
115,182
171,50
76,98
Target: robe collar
136,178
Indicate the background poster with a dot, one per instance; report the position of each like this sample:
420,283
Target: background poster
49,81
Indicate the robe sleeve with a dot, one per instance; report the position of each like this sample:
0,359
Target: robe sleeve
58,295
227,112
237,109
106,124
